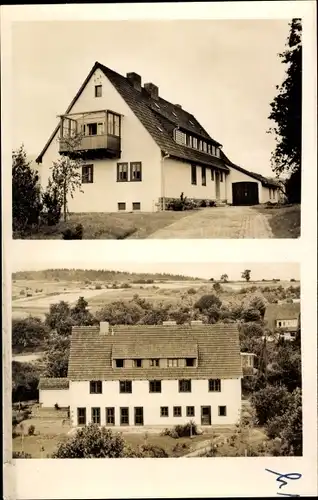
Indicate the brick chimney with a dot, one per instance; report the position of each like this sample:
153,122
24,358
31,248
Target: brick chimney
104,328
134,80
152,90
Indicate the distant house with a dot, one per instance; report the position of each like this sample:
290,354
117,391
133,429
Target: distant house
248,363
141,151
283,319
159,375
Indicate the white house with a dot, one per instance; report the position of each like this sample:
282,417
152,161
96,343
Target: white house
283,319
140,150
159,375
53,391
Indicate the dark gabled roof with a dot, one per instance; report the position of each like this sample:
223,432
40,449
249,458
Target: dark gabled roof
159,122
218,351
53,383
276,312
264,180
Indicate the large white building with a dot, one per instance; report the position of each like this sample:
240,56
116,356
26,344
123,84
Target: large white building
154,375
283,319
140,151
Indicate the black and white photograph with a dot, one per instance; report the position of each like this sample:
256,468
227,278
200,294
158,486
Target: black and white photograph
173,129
175,360
159,236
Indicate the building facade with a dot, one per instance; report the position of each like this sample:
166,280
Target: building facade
139,151
283,319
160,375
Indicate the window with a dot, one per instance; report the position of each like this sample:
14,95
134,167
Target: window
136,205
122,172
212,174
189,140
184,385
96,416
157,105
139,415
119,363
270,193
213,150
221,176
190,361
125,386
214,385
177,412
154,385
222,411
137,363
193,174
121,205
110,416
195,142
135,171
98,91
154,363
87,174
124,416
190,411
172,363
199,145
100,129
92,128
113,124
205,146
81,416
279,323
95,387
217,152
164,411
203,172
209,148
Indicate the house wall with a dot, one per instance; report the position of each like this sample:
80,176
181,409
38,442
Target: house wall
230,396
105,192
177,179
49,397
267,196
286,323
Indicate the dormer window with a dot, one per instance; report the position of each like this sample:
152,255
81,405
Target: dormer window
119,363
137,363
154,363
174,114
190,362
157,105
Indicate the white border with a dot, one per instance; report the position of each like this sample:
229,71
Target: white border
53,479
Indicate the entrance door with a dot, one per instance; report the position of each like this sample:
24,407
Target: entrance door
139,415
217,184
205,415
245,193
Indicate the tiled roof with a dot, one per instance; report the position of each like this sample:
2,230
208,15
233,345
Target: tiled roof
53,383
141,350
217,345
276,312
264,180
159,122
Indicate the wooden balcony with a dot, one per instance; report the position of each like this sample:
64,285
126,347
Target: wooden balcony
92,146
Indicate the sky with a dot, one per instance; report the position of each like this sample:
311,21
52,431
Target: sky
224,72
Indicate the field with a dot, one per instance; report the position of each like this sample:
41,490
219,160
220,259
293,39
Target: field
38,295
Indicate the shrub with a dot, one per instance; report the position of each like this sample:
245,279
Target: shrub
192,291
270,402
207,301
21,454
98,287
186,430
202,203
212,203
52,205
176,205
31,430
56,406
73,234
152,451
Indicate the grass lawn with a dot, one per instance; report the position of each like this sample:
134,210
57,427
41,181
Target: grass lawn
283,220
111,225
166,442
34,444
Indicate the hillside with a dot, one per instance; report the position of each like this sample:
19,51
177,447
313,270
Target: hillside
95,275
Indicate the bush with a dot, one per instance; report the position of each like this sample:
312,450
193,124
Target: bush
269,402
192,291
31,430
21,454
152,451
176,205
202,203
73,234
98,287
52,205
186,430
212,203
56,406
207,301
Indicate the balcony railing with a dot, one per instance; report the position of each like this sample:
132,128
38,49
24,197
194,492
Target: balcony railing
105,144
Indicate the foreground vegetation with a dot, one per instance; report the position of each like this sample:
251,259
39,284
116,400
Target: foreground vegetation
284,220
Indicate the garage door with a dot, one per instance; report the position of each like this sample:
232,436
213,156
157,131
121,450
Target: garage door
245,193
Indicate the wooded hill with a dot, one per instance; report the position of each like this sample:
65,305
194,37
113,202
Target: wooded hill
95,275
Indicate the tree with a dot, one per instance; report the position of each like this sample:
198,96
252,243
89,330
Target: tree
286,108
26,196
59,318
93,441
269,402
52,203
28,333
25,379
250,314
224,278
81,315
57,356
246,275
66,179
207,301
